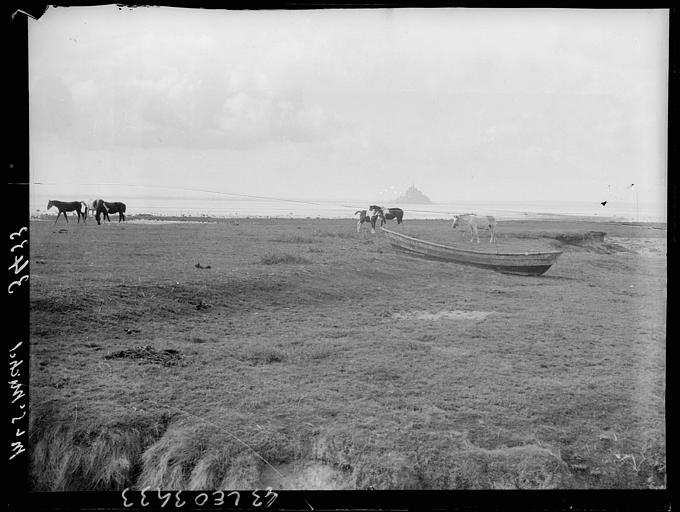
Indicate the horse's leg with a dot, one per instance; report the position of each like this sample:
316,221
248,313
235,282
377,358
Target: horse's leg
66,217
358,226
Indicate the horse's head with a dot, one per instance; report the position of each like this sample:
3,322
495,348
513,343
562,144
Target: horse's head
50,204
377,212
456,221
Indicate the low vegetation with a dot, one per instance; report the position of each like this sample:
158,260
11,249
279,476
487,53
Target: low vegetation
344,367
278,258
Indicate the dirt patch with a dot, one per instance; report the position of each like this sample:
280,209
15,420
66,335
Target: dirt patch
147,354
306,475
442,315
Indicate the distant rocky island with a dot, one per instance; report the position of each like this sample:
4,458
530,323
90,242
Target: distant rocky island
413,196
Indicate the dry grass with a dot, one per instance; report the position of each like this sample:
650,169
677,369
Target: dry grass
84,454
300,359
278,258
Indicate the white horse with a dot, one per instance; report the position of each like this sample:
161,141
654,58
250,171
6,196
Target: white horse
475,223
91,207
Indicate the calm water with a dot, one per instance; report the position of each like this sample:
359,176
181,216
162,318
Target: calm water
242,207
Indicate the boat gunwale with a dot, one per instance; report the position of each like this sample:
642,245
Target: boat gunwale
555,253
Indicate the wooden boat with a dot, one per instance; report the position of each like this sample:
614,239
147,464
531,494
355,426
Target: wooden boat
524,263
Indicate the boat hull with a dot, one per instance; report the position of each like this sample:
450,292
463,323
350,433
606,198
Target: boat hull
522,263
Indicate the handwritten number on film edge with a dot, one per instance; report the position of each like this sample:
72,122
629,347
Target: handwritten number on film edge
125,501
18,246
221,500
19,264
201,499
18,233
17,447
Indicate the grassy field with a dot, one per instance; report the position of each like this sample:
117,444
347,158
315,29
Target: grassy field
302,354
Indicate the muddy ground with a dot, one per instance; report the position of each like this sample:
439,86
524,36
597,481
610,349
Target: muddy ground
302,354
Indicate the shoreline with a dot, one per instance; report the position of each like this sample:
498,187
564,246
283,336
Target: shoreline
205,218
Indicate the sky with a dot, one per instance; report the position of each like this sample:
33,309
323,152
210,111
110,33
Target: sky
474,104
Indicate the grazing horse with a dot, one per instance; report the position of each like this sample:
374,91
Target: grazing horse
366,216
386,214
475,223
101,207
72,206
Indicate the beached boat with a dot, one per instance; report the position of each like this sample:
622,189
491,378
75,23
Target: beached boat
515,262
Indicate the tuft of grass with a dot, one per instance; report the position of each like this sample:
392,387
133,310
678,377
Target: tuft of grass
293,239
264,355
192,455
186,458
88,455
279,258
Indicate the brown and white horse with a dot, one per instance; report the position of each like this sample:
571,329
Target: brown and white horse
366,216
386,214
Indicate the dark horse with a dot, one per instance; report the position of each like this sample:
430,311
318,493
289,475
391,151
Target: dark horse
386,214
72,206
101,207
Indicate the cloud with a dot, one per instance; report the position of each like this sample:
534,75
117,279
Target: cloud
541,95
